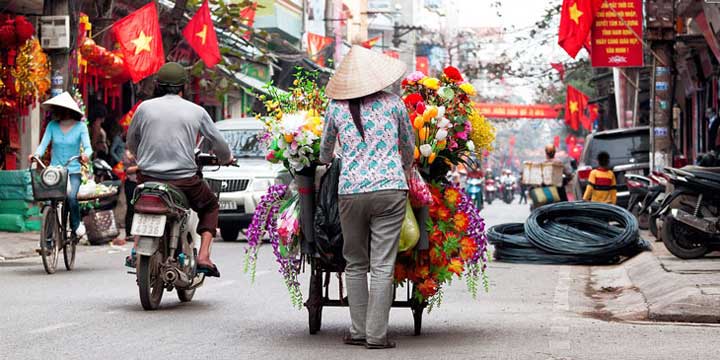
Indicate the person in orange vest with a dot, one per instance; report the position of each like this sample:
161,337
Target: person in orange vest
601,184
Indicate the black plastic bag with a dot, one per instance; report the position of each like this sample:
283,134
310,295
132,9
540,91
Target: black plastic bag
328,232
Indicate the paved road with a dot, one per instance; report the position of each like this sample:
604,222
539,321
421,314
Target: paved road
531,312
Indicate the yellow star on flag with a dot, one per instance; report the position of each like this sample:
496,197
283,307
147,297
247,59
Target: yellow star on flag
573,106
202,34
142,43
575,14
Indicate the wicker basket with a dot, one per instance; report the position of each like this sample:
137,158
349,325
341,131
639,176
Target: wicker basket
101,226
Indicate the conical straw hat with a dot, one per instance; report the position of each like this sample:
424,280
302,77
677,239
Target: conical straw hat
363,72
63,100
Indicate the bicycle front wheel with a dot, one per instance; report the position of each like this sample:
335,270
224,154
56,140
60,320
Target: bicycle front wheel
50,239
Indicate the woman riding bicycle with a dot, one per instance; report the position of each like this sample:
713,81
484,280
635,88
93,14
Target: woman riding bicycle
69,137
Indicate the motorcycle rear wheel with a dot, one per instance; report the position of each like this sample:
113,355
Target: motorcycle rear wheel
683,241
150,283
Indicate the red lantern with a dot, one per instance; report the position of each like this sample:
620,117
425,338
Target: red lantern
24,29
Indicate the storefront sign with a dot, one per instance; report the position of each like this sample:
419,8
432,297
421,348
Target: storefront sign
617,33
661,132
661,86
512,111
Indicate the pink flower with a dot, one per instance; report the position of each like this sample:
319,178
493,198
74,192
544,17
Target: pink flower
415,76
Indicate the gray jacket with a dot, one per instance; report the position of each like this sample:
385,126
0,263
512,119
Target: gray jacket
163,135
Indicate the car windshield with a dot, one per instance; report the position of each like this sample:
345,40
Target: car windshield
244,143
623,149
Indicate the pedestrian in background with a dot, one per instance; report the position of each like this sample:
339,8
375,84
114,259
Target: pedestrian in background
131,170
376,147
99,136
601,185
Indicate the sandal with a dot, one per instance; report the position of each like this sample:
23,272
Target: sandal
131,260
387,345
349,340
209,270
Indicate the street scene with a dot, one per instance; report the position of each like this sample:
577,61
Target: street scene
272,179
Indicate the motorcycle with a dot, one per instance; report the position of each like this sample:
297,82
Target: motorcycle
167,248
644,195
508,189
691,213
474,190
490,190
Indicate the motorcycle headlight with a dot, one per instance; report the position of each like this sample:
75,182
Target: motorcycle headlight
51,177
262,184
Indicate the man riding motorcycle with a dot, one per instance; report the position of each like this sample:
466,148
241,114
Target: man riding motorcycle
163,136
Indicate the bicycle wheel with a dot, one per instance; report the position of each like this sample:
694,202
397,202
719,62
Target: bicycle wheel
69,246
50,239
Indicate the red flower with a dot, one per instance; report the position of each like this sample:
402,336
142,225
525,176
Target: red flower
453,74
436,237
422,272
404,83
456,266
400,272
468,248
428,288
443,213
461,221
438,257
420,107
412,100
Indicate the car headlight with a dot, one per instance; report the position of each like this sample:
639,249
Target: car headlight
51,177
262,184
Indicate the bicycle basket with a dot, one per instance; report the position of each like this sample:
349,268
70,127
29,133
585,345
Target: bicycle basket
50,183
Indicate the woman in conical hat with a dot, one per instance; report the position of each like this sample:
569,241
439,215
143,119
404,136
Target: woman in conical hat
69,137
376,145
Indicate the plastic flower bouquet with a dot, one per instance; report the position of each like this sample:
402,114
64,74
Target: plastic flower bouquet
294,122
445,120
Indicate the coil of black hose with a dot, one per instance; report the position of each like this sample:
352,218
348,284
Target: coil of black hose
584,229
511,245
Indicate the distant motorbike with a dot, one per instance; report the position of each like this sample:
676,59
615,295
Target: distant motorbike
490,190
103,172
166,248
644,194
475,191
508,189
691,213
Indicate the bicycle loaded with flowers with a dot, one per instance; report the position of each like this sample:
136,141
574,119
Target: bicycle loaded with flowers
448,131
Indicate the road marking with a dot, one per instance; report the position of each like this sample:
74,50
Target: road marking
50,328
561,304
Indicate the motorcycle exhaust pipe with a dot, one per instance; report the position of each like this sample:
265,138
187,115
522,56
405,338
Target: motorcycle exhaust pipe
706,225
176,277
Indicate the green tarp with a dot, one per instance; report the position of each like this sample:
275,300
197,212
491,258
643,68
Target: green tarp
19,207
16,192
14,177
13,223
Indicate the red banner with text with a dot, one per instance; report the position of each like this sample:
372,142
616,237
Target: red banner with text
617,33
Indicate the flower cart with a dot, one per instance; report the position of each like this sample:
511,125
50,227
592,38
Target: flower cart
443,235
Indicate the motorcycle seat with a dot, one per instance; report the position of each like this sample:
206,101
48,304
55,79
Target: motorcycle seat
177,196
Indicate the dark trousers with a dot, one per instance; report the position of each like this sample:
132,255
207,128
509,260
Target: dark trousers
202,200
129,191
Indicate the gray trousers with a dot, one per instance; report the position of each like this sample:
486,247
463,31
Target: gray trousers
371,224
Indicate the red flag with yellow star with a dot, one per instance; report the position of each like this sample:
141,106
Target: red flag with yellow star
576,19
575,104
200,34
369,44
141,42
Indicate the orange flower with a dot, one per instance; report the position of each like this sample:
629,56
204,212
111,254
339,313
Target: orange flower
432,157
423,134
400,272
436,237
416,155
461,221
443,213
418,122
452,196
428,288
438,257
468,248
422,272
456,266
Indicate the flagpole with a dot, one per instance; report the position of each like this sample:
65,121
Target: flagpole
638,37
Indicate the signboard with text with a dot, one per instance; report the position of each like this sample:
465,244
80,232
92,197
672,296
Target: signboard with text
616,34
513,111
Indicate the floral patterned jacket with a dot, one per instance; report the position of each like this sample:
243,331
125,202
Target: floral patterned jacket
378,162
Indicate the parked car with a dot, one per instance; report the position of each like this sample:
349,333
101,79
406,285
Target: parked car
629,151
241,187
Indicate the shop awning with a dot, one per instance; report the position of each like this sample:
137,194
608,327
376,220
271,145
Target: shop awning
246,81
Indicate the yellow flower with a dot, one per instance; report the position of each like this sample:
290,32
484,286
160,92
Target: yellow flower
431,83
468,89
482,134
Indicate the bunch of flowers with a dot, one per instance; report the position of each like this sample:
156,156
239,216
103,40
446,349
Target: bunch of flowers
458,247
294,122
443,116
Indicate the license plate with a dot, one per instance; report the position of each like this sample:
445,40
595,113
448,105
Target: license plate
148,225
228,205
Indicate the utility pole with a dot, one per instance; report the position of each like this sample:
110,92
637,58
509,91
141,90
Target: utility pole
661,34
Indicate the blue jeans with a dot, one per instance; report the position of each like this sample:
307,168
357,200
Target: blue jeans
72,201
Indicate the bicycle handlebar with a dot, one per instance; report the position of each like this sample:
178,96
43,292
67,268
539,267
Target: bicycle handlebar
38,160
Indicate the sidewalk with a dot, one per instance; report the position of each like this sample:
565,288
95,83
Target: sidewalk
18,245
660,287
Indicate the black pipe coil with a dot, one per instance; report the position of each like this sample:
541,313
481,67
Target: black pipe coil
584,228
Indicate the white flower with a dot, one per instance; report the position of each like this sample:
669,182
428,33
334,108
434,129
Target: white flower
444,123
441,112
425,150
293,122
441,135
470,145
